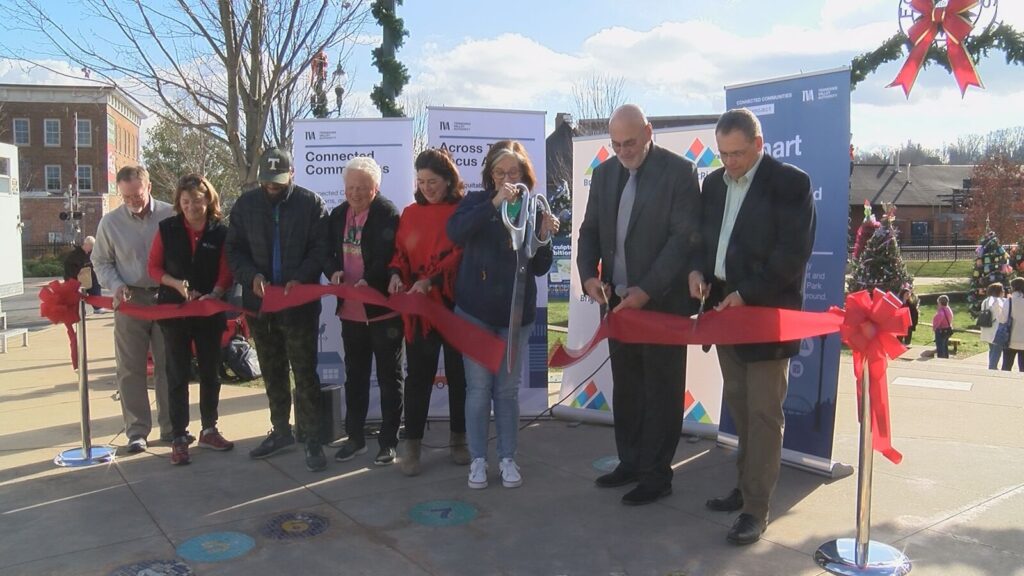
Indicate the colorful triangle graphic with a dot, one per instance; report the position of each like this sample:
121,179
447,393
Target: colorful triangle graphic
600,157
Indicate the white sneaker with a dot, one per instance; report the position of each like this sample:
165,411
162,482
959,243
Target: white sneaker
510,477
478,474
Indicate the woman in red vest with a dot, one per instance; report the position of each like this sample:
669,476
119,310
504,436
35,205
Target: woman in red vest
188,261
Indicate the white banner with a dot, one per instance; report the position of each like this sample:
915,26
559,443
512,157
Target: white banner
322,149
589,382
468,133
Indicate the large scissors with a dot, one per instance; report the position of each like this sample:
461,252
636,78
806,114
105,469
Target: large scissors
526,241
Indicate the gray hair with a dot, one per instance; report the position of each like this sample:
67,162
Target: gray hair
741,119
366,165
88,241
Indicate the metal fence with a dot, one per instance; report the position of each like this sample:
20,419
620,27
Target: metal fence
34,251
953,247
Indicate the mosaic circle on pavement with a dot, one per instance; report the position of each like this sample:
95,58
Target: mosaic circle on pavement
442,513
155,568
606,464
216,547
295,525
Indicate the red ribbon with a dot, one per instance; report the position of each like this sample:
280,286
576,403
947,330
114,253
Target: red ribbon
468,338
869,327
870,330
955,21
758,324
58,303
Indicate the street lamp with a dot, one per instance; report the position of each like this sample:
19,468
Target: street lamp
338,79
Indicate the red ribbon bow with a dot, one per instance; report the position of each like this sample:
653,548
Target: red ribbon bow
870,330
58,303
955,21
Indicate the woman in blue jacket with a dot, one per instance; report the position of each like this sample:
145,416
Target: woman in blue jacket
483,295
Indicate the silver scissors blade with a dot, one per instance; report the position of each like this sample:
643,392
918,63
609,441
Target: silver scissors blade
700,311
515,317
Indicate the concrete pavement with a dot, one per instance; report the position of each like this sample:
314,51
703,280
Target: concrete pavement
955,504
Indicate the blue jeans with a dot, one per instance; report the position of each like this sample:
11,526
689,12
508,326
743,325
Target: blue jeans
941,344
994,353
483,388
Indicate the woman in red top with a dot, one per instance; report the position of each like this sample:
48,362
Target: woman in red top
188,261
425,261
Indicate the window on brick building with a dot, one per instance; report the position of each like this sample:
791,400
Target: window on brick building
85,178
84,133
51,132
21,132
52,178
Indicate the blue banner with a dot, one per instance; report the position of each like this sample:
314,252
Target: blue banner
806,123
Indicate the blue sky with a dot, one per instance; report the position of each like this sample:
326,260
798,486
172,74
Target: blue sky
675,57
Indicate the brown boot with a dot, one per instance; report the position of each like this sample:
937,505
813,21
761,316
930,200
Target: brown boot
409,462
459,450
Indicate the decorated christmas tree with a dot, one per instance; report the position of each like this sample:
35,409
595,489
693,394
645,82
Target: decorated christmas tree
992,264
1017,258
878,262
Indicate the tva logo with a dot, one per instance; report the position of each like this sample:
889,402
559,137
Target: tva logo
445,125
310,135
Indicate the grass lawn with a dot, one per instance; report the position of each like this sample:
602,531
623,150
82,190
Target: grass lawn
959,269
970,343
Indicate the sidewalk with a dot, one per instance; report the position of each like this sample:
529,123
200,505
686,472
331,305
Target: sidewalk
955,504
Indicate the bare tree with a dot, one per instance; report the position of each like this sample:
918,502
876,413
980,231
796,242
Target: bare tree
415,105
234,61
597,96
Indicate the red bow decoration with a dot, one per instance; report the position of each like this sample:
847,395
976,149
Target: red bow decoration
870,330
955,21
58,303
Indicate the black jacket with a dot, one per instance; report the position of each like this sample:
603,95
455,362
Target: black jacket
663,232
200,268
377,246
483,286
74,262
770,245
250,242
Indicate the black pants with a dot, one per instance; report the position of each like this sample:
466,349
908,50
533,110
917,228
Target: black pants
289,339
647,398
179,335
1008,354
423,354
365,342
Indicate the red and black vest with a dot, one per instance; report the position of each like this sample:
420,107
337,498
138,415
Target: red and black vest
200,268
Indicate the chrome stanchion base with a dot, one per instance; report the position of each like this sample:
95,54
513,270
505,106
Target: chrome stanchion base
76,457
838,557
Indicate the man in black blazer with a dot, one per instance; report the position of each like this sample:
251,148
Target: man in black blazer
758,230
640,228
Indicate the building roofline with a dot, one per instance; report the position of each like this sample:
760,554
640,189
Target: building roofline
98,88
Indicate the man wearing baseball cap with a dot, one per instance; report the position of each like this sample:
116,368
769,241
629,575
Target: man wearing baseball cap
277,236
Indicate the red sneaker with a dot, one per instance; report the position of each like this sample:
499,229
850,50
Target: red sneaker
212,440
179,454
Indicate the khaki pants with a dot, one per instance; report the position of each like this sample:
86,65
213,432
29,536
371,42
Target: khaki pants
133,340
754,393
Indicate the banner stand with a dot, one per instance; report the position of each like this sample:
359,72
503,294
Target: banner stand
862,556
87,455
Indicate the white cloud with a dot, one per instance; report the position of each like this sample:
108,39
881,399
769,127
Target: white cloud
40,72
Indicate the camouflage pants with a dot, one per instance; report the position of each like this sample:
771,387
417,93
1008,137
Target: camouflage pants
280,344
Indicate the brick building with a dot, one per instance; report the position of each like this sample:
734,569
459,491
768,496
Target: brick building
40,121
927,199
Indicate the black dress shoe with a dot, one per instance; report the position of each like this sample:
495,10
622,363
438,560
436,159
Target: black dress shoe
616,478
645,495
730,503
746,530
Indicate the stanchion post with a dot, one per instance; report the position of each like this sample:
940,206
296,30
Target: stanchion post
860,556
87,455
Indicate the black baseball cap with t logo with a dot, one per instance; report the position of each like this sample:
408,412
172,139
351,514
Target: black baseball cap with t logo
276,166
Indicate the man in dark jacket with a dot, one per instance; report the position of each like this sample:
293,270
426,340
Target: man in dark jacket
277,236
78,259
634,248
758,230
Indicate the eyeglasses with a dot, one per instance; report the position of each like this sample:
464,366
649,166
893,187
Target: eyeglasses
500,174
733,155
